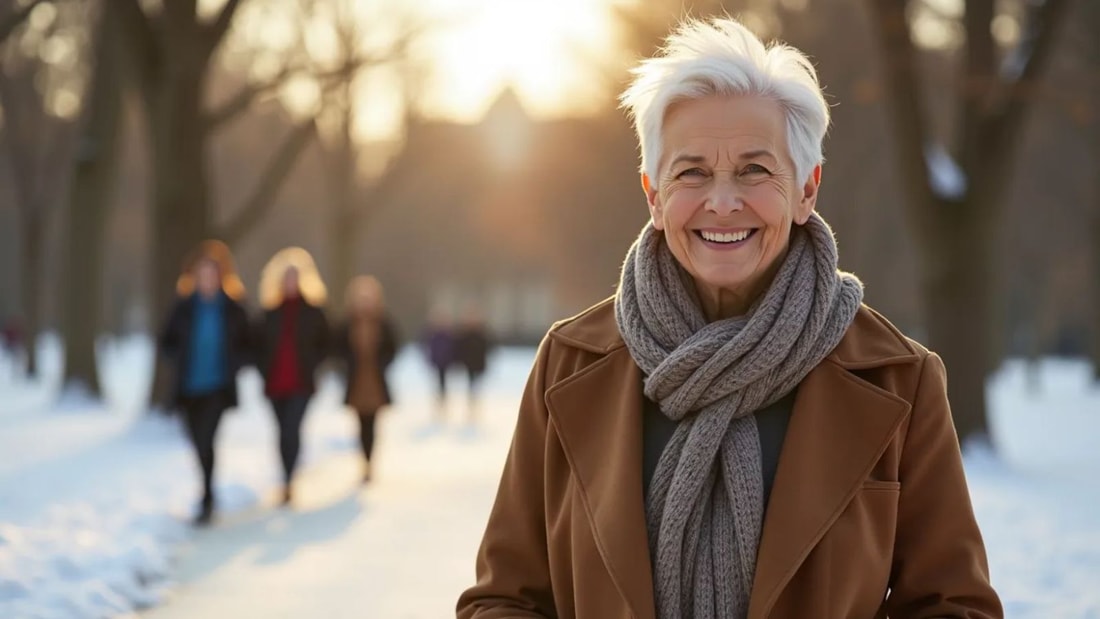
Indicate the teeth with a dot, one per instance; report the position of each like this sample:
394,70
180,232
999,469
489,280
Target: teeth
727,237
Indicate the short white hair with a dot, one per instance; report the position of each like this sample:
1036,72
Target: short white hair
723,57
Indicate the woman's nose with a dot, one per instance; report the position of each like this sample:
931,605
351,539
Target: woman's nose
724,198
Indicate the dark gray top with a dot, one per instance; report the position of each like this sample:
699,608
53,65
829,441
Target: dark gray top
771,421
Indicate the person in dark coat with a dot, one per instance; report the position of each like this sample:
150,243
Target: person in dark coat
368,343
438,341
291,343
206,339
472,346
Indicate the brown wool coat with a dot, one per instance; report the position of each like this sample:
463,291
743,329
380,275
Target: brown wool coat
870,515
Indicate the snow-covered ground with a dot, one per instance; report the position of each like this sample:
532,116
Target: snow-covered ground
94,499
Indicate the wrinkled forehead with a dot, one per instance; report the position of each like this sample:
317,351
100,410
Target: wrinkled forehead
724,129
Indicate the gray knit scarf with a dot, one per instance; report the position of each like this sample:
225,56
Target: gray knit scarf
705,505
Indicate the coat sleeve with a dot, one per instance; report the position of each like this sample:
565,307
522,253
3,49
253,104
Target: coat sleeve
513,574
323,336
170,337
257,340
940,568
244,343
389,343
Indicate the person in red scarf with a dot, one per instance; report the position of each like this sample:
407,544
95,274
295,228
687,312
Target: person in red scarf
292,341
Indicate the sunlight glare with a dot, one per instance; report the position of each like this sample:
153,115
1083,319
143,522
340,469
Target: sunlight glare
546,49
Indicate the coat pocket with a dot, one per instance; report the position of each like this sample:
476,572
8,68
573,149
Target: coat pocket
874,484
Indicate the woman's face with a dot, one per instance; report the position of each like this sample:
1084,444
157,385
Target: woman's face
290,283
727,195
366,300
207,278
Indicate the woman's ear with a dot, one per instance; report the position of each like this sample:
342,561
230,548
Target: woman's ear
653,198
808,200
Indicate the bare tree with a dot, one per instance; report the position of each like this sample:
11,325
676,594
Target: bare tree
954,192
172,51
94,176
352,196
39,143
1091,14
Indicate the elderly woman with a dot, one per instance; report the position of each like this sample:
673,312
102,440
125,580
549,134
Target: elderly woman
291,342
206,338
734,434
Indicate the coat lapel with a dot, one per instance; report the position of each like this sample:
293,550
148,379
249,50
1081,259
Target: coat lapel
839,427
598,416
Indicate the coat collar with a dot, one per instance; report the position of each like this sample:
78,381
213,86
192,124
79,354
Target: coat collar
871,341
838,420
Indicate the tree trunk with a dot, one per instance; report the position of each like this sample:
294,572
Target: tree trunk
91,193
180,195
956,280
344,218
32,273
343,257
1096,271
1092,16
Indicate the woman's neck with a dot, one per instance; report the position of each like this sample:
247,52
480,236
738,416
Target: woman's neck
722,303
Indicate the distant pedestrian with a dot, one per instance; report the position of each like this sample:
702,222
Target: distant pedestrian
472,346
11,336
368,342
438,341
11,342
206,338
291,342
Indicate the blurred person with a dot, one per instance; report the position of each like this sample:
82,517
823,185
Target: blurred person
11,341
733,434
472,345
368,343
439,347
291,343
206,338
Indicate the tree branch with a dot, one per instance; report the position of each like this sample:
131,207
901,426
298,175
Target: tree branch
910,125
140,39
9,23
245,97
271,180
978,69
216,31
1023,68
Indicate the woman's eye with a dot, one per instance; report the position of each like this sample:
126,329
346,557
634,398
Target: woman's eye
754,168
691,172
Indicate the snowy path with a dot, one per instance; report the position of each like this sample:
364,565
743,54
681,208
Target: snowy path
91,505
401,547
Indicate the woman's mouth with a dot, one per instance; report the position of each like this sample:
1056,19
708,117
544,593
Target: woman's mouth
725,239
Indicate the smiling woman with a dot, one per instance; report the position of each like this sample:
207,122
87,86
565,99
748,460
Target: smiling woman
550,52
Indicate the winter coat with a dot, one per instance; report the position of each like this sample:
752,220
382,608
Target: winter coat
311,336
472,349
439,346
175,342
869,516
388,343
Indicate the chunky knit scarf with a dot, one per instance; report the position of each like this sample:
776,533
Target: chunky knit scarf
705,505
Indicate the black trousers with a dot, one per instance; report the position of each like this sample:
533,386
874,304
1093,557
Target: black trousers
202,414
441,381
366,432
290,412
